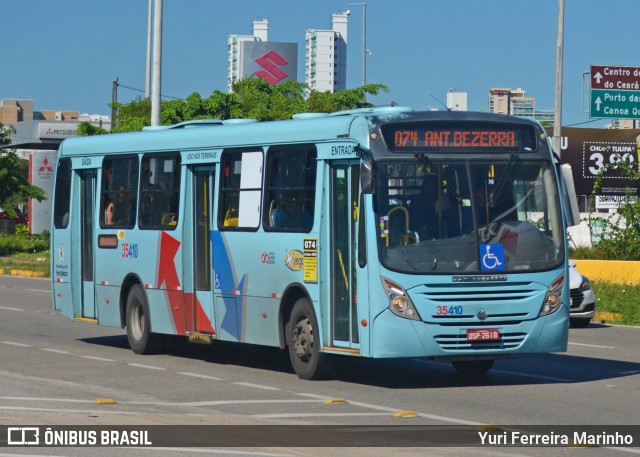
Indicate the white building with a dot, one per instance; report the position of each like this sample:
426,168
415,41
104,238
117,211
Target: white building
235,64
326,56
456,101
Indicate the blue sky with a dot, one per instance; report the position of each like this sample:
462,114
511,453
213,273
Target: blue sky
65,54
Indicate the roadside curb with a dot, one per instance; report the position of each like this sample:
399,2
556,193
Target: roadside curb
25,273
614,271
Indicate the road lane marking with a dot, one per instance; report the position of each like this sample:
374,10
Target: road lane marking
625,449
13,343
59,400
29,455
57,351
592,346
56,410
200,376
99,359
10,309
388,410
148,367
211,402
309,415
255,386
533,376
505,372
173,450
426,415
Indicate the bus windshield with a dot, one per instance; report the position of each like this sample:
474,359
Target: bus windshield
468,216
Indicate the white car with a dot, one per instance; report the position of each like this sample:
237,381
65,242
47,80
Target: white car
583,299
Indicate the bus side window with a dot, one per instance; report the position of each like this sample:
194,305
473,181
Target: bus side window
159,191
119,192
62,194
240,193
290,188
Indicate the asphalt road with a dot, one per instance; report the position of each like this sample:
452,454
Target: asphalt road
57,372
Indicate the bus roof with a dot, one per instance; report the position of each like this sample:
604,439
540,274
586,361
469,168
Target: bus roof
305,128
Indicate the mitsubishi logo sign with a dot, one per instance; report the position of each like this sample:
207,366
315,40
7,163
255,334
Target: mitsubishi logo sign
46,167
271,62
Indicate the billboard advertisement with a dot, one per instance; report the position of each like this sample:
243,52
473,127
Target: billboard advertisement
41,172
272,61
589,150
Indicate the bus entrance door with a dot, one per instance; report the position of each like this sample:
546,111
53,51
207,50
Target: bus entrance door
344,215
83,278
199,305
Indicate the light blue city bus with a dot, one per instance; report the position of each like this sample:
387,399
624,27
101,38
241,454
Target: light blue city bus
378,233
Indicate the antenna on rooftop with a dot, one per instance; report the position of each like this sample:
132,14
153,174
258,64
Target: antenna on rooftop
440,101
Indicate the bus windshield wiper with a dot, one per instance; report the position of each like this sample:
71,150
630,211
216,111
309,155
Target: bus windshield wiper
424,158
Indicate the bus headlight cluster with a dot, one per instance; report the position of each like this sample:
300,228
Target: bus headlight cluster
553,299
399,302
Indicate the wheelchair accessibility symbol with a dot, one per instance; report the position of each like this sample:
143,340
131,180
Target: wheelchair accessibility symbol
491,257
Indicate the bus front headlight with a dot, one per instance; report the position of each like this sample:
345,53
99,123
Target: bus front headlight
399,302
553,299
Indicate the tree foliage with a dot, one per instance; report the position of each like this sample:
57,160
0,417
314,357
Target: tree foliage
14,172
131,117
252,98
88,129
326,102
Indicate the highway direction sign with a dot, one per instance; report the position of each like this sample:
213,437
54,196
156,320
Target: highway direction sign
615,92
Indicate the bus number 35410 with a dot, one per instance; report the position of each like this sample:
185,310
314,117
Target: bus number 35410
130,250
449,310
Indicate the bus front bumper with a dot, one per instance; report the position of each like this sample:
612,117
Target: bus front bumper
393,336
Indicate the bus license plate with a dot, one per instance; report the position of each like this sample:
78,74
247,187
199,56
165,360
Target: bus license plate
483,334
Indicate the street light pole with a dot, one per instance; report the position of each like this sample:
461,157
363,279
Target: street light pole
364,39
557,117
157,64
147,88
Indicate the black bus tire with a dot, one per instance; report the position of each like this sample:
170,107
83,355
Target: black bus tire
303,340
138,319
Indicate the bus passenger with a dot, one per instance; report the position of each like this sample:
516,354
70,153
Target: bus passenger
423,211
116,213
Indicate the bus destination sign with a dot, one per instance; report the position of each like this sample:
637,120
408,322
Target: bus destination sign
479,138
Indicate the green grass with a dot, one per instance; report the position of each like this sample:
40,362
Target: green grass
24,254
617,303
26,264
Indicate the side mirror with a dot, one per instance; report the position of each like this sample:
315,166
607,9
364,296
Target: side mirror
568,190
366,176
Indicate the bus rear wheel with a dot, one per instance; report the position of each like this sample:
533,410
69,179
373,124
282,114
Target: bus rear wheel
471,368
304,342
138,320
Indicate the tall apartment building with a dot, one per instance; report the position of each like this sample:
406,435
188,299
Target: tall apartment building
326,56
499,100
236,70
624,124
516,103
511,101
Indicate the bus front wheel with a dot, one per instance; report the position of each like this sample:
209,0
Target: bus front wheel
141,340
304,342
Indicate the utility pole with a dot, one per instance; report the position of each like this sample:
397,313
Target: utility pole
364,42
157,63
114,100
147,87
557,117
